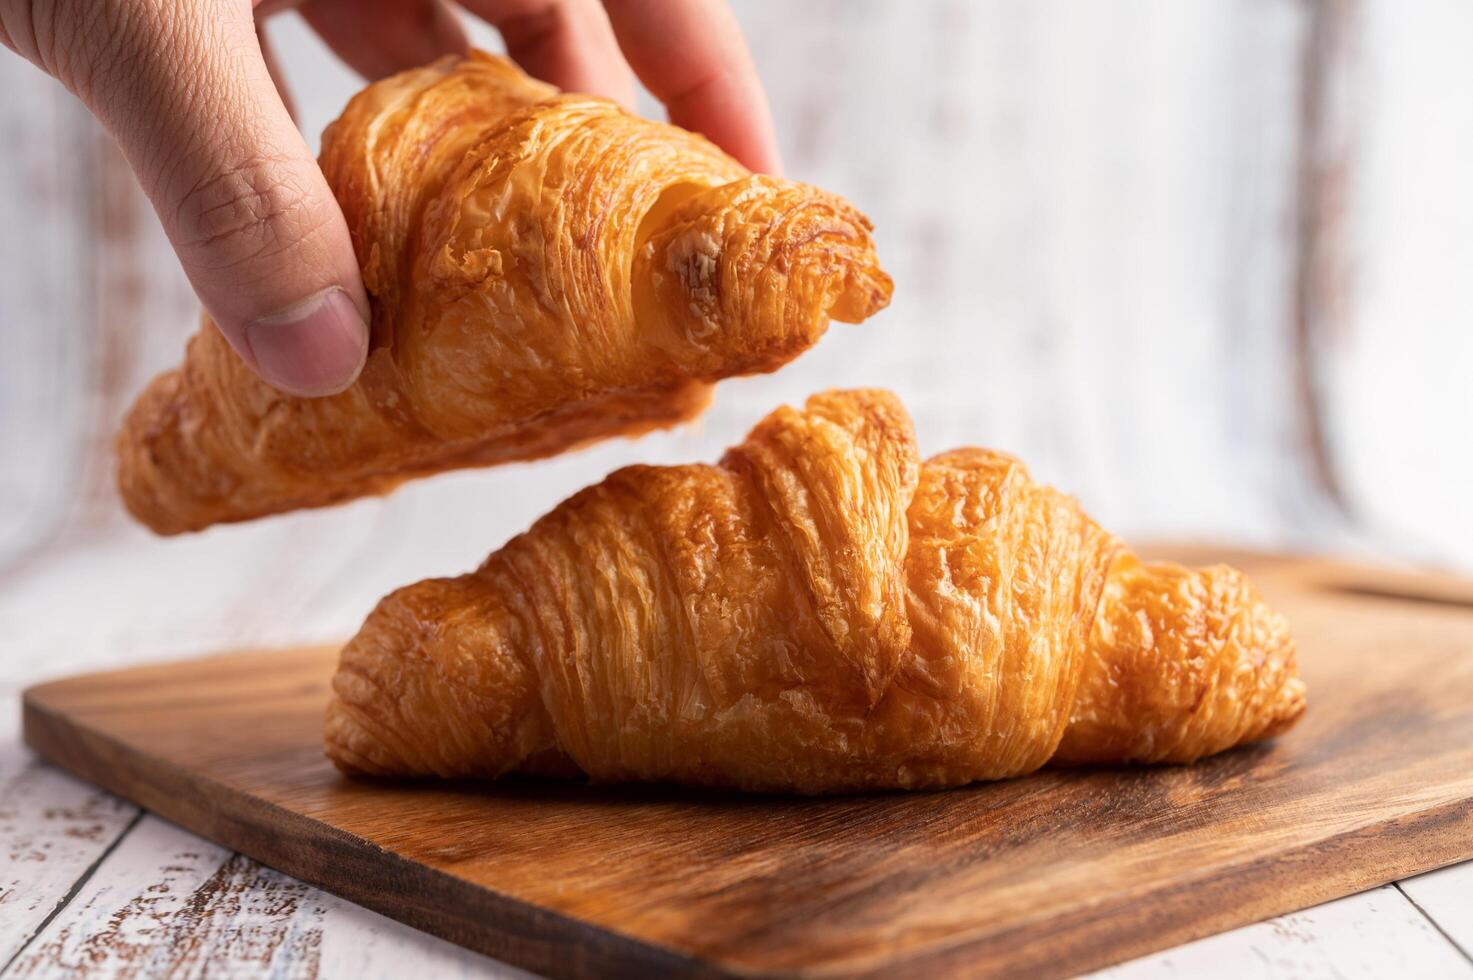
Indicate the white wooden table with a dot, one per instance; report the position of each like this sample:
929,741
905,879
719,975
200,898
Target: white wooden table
1204,265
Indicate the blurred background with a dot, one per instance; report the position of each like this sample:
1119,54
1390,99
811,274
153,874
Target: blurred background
1208,266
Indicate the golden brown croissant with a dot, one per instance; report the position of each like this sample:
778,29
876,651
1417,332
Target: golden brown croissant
821,612
544,269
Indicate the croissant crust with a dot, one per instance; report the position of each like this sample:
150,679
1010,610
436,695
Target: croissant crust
820,612
544,270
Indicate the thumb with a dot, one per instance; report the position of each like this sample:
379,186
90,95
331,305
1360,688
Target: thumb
245,206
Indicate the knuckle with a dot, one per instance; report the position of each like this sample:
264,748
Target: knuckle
42,31
114,55
249,211
18,27
72,40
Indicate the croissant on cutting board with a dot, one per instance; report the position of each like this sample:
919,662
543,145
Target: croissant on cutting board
544,270
820,612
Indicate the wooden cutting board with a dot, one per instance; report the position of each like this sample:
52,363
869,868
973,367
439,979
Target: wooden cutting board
1055,873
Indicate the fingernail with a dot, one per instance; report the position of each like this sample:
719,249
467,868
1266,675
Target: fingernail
316,347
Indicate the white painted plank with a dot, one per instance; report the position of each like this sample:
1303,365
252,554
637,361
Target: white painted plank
44,252
1362,937
52,830
1397,376
168,903
1446,897
1089,260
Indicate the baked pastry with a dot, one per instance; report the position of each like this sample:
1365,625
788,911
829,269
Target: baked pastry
820,612
544,269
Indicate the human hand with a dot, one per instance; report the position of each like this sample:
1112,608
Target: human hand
186,88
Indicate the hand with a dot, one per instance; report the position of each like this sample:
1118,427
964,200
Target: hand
185,86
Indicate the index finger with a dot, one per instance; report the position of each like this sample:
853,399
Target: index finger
690,54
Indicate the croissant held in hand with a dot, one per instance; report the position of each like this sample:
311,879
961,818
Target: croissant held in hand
544,269
821,612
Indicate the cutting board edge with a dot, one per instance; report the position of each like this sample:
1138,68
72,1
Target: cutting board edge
1007,952
539,939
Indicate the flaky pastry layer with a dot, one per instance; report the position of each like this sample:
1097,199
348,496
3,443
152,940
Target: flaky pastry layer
820,612
544,269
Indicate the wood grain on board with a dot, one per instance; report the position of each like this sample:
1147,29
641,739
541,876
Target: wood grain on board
1054,873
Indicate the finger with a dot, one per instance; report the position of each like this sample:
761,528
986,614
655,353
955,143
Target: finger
187,94
566,42
691,56
377,38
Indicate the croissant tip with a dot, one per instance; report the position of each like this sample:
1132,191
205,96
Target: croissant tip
349,746
865,293
141,483
1293,703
